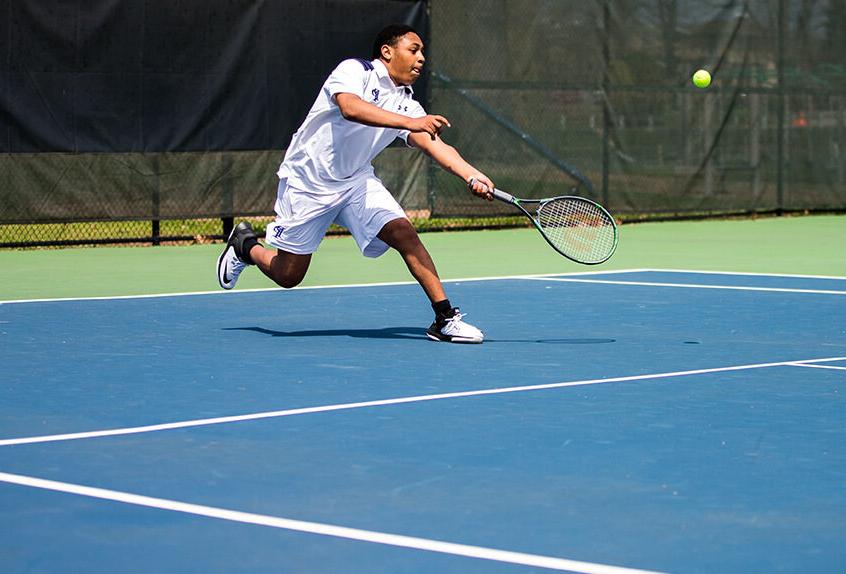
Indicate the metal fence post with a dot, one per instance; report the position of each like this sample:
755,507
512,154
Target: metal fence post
155,230
606,87
781,111
228,198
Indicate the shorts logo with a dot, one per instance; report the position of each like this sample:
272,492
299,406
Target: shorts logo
375,93
277,231
402,108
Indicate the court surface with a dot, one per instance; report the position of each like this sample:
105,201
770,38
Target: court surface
645,420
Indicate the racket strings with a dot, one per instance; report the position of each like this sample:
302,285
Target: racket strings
579,228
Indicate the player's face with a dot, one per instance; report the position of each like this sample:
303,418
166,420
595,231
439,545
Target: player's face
406,59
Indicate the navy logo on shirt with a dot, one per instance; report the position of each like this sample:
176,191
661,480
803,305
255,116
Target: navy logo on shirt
375,93
277,231
402,108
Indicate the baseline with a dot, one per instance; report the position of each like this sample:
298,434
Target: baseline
806,365
394,401
747,274
687,285
306,288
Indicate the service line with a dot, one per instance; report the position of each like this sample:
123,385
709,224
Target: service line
394,401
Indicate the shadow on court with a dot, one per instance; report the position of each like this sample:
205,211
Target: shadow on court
555,341
386,333
415,333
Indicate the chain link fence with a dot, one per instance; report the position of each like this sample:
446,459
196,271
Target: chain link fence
545,96
549,95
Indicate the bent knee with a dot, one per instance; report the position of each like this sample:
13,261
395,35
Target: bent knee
288,270
286,279
288,282
401,235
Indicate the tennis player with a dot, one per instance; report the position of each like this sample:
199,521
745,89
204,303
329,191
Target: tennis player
327,177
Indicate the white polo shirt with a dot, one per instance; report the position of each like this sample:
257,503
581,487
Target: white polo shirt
330,154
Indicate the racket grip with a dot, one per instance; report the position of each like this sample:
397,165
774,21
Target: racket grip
502,196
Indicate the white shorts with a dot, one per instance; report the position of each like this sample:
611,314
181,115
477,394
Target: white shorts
302,217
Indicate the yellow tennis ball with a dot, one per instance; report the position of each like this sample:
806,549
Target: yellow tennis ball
701,79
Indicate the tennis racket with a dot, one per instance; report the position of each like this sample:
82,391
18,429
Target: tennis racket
579,229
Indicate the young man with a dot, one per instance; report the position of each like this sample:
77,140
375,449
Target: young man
327,177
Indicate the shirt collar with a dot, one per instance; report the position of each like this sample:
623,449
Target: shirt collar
384,76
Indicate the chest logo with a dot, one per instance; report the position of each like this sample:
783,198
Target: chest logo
375,93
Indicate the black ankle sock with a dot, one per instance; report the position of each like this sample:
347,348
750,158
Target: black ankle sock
248,244
443,309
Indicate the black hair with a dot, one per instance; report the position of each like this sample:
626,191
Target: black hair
390,35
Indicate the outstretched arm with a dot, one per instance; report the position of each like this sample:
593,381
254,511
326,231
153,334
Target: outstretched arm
357,110
449,159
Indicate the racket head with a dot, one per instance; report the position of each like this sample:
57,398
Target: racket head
578,228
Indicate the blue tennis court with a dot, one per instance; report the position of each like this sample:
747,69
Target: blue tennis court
630,421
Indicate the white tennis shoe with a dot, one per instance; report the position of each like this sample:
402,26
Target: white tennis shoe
229,267
230,263
454,330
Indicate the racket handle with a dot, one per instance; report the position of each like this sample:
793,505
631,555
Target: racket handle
502,196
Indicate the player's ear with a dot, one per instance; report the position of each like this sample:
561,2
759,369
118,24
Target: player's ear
387,52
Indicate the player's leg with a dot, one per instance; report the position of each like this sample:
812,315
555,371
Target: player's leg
243,249
448,325
286,269
377,223
301,222
401,235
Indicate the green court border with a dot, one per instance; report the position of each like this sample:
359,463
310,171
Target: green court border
812,245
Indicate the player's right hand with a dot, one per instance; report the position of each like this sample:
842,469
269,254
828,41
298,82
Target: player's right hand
480,185
431,124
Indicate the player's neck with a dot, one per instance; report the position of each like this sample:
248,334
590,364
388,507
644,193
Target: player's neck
396,83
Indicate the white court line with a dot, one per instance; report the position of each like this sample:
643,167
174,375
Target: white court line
323,529
745,273
689,285
386,402
817,366
392,283
306,288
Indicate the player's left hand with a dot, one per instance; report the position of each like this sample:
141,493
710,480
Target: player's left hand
481,185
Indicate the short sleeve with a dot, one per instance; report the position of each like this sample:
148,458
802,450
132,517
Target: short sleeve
415,111
349,76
